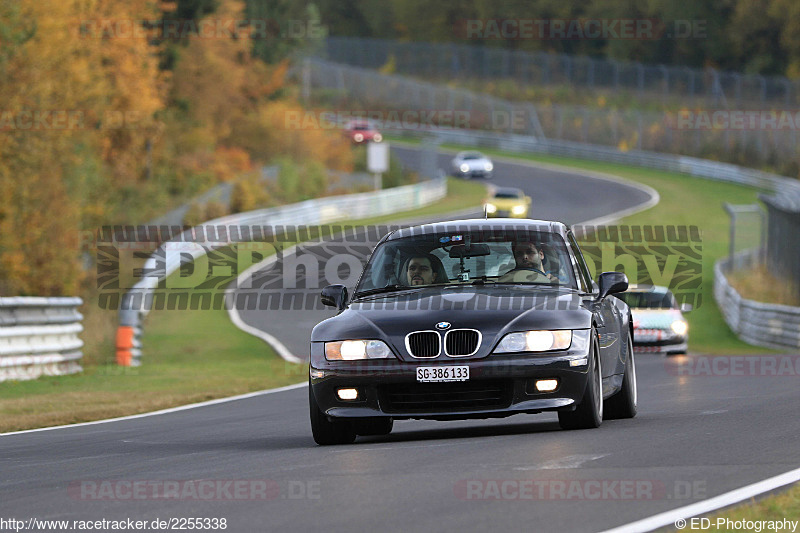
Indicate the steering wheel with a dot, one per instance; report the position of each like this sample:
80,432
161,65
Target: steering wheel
528,268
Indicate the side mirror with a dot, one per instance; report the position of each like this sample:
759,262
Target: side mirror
334,296
685,308
612,283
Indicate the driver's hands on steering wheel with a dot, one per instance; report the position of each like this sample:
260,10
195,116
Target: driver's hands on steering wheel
518,274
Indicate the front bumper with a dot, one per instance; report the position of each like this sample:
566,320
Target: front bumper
658,341
474,173
499,385
506,213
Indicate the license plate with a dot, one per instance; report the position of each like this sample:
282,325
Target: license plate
647,335
442,373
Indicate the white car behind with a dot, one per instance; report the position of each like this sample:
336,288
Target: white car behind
472,164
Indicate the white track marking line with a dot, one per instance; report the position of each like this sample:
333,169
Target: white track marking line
668,518
233,312
165,411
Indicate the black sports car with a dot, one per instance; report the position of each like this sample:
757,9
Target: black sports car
472,319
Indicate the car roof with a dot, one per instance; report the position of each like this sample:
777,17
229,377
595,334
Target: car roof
450,226
508,190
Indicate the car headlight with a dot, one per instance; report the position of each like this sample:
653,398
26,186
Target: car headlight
535,341
518,209
464,167
358,137
680,327
377,137
354,350
488,167
491,208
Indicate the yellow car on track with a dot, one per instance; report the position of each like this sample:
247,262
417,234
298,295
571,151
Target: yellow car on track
507,202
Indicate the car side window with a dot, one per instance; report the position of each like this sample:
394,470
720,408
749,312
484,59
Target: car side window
585,279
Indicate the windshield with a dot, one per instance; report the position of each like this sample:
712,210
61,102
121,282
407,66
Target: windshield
472,155
649,300
508,194
496,256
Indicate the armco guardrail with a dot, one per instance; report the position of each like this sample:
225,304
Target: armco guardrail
770,325
135,304
39,337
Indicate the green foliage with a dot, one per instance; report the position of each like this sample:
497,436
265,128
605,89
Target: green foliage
199,213
288,178
314,180
249,193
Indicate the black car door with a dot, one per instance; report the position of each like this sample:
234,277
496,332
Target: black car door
606,314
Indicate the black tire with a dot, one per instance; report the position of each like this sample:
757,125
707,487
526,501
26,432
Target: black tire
326,431
624,403
373,426
589,412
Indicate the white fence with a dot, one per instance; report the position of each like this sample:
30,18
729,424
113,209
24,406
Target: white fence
135,305
770,325
39,337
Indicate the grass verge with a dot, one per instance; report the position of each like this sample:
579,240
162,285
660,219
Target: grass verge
191,356
777,507
760,285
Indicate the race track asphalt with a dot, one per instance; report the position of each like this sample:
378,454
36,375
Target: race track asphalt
697,435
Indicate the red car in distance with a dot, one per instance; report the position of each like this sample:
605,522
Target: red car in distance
360,131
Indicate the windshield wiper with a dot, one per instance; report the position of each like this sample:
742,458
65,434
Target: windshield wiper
389,288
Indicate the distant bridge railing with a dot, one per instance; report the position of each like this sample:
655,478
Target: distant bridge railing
39,337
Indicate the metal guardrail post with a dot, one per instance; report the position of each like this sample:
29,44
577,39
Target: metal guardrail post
39,336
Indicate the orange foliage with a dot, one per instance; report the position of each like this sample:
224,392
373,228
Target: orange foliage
44,191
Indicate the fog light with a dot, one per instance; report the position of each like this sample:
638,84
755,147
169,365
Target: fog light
347,394
546,385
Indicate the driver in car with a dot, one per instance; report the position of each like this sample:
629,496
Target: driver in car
528,257
420,271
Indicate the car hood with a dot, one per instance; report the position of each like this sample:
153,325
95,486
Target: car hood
472,163
655,318
506,203
492,310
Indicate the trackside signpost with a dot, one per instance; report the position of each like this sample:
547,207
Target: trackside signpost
378,161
